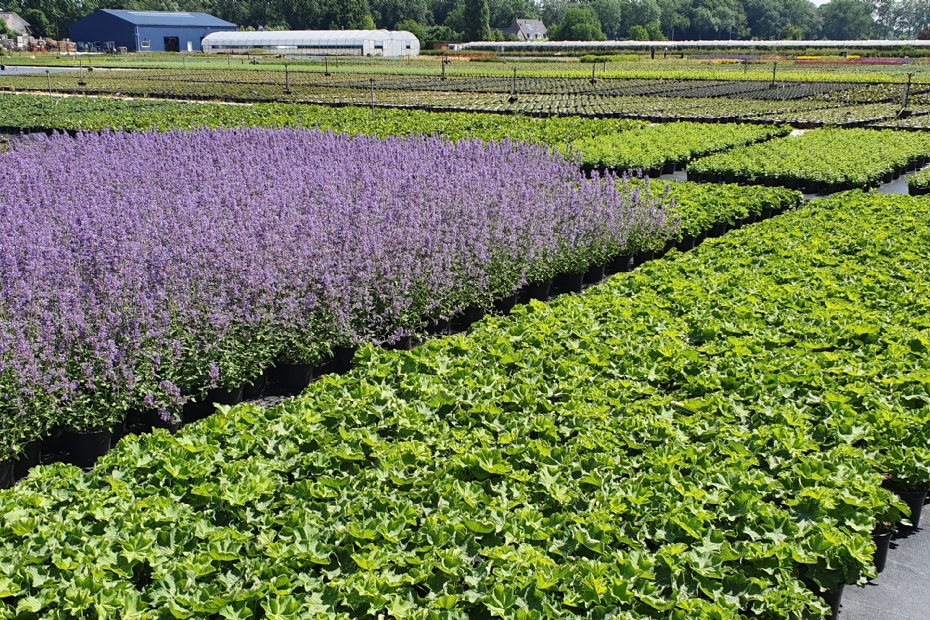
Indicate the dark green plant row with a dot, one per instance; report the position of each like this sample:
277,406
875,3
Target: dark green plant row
821,160
37,113
919,184
539,466
663,148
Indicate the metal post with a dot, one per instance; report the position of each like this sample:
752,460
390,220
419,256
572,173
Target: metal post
287,81
907,92
774,68
442,61
48,75
372,98
228,56
326,58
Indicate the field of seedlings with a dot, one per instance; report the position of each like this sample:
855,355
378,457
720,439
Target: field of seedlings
490,346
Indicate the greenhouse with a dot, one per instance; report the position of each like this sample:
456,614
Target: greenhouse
317,42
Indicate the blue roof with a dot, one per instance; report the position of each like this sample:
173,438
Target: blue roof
164,18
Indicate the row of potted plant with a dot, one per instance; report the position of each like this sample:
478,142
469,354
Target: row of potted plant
703,436
819,161
187,262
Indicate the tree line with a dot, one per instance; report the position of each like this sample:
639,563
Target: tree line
468,20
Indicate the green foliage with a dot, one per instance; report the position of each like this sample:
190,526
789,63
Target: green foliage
847,20
696,439
920,181
39,23
700,206
638,33
651,148
477,20
31,112
578,24
791,33
837,157
414,28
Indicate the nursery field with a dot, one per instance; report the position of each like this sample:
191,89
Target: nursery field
711,436
515,375
525,90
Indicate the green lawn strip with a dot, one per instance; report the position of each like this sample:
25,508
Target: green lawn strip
536,467
821,159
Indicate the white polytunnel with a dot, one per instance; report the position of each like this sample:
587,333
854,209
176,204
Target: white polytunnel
315,42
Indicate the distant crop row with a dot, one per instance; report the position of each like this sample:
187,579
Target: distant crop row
643,99
713,436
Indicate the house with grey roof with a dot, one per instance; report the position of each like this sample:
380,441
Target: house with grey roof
527,30
16,23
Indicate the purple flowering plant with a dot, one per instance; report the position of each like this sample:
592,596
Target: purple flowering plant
139,269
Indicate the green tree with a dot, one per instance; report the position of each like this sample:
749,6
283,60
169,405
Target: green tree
654,31
790,32
610,15
387,13
441,33
477,20
640,12
503,12
638,33
413,27
674,16
578,24
440,9
847,20
41,27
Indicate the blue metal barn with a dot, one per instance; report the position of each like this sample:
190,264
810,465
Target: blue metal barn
147,31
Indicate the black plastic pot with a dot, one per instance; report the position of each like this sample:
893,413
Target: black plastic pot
880,557
470,316
766,213
505,305
31,456
915,501
438,327
294,378
224,396
195,409
539,290
669,168
152,419
403,344
621,264
569,282
643,257
256,388
888,177
342,359
717,230
686,244
6,474
595,274
86,448
52,444
832,599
